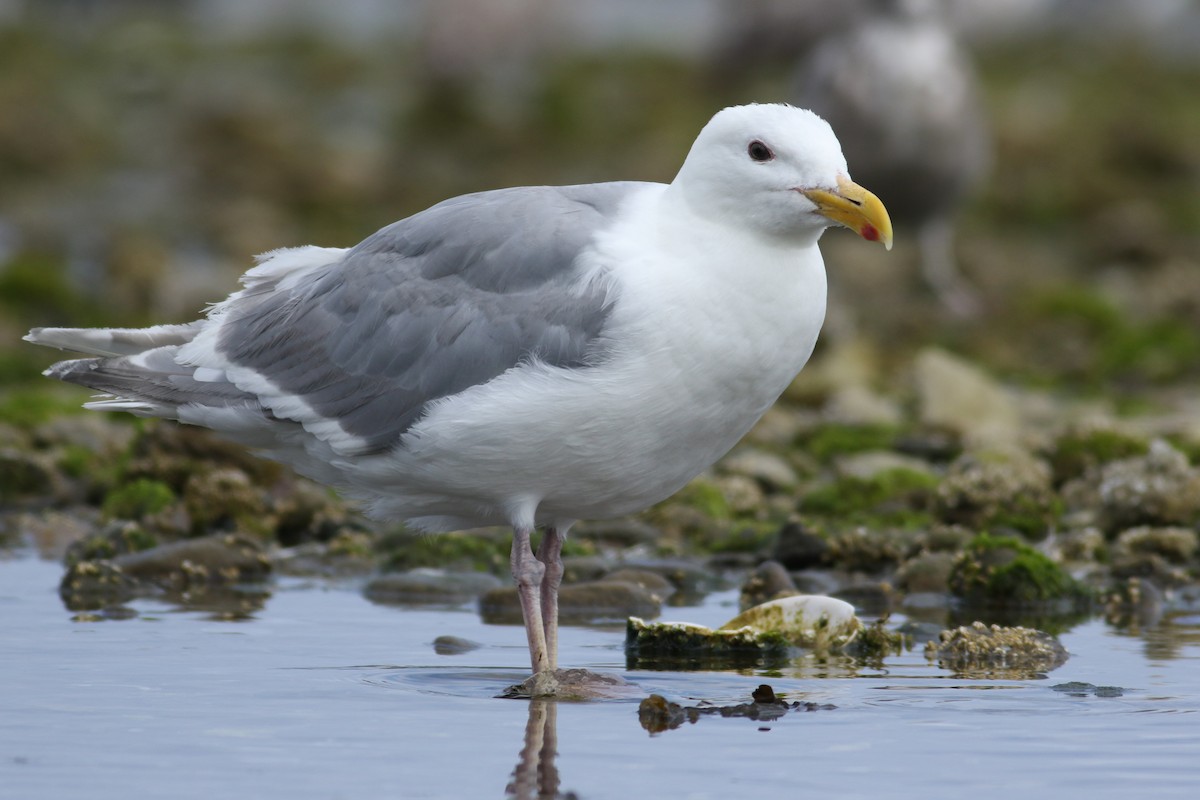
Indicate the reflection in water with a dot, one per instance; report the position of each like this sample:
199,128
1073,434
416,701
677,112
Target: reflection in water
536,777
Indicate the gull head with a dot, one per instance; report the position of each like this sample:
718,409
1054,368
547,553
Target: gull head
777,170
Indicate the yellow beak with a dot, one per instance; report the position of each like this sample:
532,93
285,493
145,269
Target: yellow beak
856,208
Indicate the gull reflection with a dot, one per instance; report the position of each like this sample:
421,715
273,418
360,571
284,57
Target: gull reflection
536,777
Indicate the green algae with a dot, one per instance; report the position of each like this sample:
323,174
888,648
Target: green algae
137,499
1003,571
897,497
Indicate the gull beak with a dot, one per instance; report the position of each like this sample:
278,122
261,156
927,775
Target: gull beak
854,207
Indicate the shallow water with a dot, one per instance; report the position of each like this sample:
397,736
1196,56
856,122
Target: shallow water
323,695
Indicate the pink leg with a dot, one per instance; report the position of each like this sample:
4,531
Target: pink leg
549,553
528,572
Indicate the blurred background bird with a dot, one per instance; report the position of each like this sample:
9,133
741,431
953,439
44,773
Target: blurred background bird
903,96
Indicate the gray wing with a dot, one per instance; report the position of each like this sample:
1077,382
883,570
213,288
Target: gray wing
429,306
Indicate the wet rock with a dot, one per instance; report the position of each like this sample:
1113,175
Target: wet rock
306,512
429,586
873,463
650,581
1149,567
52,533
577,569
929,444
927,572
1084,448
618,532
999,490
454,645
1080,689
814,622
1004,572
683,645
657,714
1174,544
980,651
862,549
798,547
858,405
137,499
98,434
350,552
116,538
226,499
769,581
93,585
771,472
875,642
1160,488
689,578
571,684
578,603
210,560
870,598
945,538
956,395
1133,601
1082,545
28,476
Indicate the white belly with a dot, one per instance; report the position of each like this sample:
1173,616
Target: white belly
702,355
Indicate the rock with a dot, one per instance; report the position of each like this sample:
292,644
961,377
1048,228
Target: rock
429,586
862,549
1175,545
577,569
998,490
769,581
225,499
454,645
1084,448
1160,488
683,645
742,494
571,684
980,651
955,394
869,598
657,714
646,579
799,548
210,560
52,533
872,463
93,585
858,405
1004,572
116,538
770,471
811,621
690,579
628,532
578,603
1133,601
926,572
28,476
1082,545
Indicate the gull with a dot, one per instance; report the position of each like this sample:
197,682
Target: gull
528,356
902,95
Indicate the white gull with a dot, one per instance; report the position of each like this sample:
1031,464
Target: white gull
530,356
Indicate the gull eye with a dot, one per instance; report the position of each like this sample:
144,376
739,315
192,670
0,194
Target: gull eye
759,151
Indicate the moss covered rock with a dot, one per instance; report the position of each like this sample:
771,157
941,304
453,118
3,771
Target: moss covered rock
1005,572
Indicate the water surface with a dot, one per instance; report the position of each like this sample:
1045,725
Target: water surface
322,694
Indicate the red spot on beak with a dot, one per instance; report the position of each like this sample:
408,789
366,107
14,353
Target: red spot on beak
869,233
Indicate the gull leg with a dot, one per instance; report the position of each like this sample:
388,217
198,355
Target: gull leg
528,572
935,240
549,553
